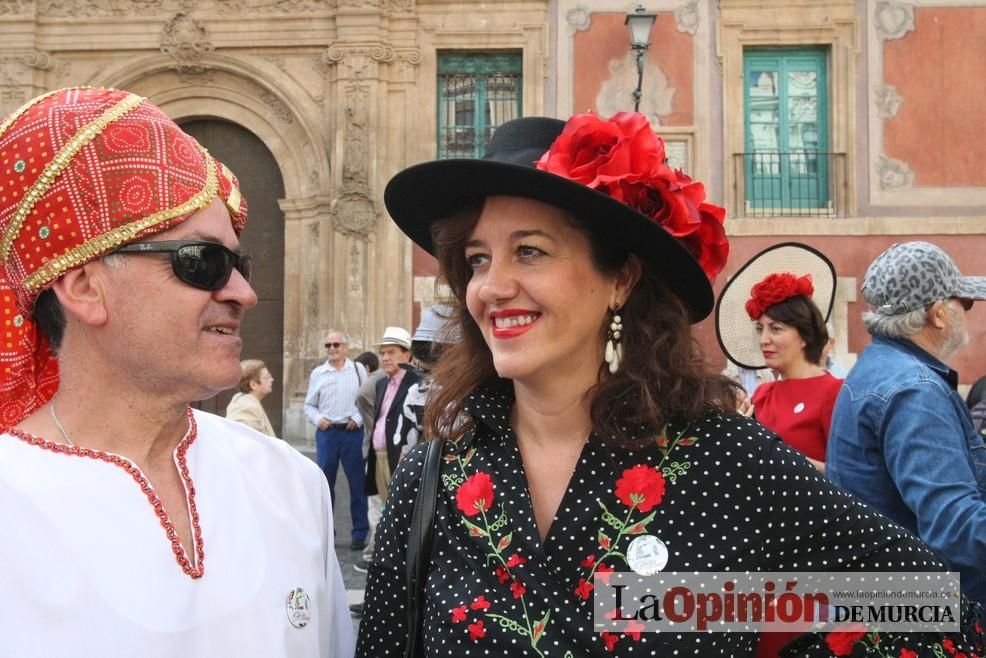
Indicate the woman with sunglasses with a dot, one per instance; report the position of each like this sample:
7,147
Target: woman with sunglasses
581,432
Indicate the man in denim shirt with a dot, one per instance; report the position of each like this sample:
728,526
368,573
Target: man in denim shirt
902,438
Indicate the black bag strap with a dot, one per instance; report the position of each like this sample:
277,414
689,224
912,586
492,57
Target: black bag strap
419,547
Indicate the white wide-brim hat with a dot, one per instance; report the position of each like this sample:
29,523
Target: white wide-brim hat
734,328
396,336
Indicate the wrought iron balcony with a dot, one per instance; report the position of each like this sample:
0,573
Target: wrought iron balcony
790,184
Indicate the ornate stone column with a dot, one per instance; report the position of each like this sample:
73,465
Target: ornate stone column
304,277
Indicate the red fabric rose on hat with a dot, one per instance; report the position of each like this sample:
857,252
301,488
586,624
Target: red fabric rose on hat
776,288
475,495
623,158
642,486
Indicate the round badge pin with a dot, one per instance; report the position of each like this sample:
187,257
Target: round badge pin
299,608
647,555
799,407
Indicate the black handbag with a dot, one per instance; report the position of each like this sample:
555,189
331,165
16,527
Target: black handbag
419,547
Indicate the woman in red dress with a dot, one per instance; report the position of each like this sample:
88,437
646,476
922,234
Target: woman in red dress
789,338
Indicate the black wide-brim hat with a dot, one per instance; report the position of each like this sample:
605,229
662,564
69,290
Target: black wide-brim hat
419,195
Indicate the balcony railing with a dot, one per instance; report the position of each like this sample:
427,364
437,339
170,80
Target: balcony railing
790,184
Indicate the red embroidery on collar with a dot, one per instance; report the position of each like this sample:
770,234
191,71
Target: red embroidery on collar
180,555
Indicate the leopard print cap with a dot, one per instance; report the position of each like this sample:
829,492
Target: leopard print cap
912,275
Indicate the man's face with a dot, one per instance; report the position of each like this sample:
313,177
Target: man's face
172,339
956,335
391,356
335,347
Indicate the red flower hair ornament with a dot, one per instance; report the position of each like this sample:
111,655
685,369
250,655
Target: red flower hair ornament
775,288
623,158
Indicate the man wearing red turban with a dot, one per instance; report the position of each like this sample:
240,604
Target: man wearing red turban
135,525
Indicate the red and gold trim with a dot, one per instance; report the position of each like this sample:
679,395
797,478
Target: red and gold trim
192,569
58,164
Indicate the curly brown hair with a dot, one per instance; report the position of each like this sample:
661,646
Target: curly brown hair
663,375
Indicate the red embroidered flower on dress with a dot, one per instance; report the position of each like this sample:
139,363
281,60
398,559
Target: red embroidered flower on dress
502,574
775,288
633,630
949,645
584,589
477,630
480,603
603,572
641,486
610,640
907,653
841,642
589,562
515,560
624,159
475,495
517,589
458,614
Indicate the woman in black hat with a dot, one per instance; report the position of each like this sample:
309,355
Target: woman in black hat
582,433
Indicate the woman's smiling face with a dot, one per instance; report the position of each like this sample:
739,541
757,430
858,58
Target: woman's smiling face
535,292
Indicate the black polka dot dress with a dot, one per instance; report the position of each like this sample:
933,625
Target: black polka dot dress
723,494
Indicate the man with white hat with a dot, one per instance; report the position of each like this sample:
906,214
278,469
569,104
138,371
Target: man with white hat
386,442
902,438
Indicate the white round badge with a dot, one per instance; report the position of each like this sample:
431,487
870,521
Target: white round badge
799,407
647,555
299,608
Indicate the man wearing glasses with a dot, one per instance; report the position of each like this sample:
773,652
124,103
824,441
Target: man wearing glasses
138,526
902,438
330,406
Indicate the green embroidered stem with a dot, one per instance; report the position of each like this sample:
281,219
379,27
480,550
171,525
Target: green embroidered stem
523,602
612,545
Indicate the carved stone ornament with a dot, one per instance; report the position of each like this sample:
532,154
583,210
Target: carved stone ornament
894,174
356,268
353,214
12,93
97,8
16,7
579,18
686,18
378,52
37,59
280,109
401,5
887,101
186,40
893,19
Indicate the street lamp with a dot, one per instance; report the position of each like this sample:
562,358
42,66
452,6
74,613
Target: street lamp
639,23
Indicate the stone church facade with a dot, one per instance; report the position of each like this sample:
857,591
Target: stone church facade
316,103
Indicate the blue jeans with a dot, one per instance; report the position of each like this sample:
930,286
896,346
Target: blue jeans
331,447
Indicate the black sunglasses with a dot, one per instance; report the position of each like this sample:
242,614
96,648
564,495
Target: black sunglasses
965,302
205,265
332,345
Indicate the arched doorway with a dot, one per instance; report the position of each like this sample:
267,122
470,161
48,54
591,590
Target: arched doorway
262,186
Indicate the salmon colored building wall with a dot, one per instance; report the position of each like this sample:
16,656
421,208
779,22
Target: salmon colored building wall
938,71
607,42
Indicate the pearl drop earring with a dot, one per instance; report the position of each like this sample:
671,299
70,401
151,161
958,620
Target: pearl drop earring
614,343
